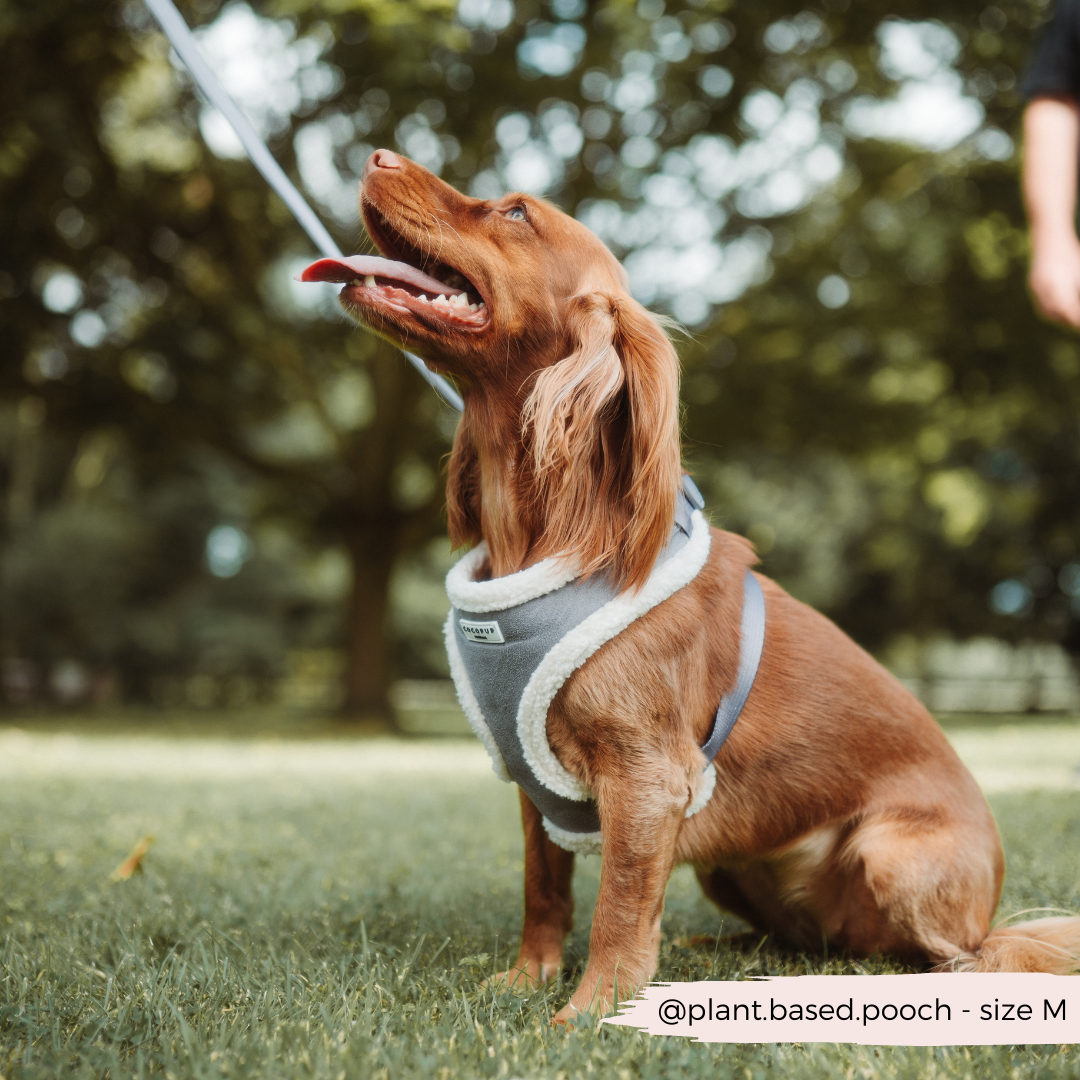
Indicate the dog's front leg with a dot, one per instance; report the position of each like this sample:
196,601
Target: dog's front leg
549,904
640,814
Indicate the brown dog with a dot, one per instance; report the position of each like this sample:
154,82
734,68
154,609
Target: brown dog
840,811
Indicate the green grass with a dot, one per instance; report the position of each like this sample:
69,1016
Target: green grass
330,908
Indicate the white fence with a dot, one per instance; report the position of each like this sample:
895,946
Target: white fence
986,675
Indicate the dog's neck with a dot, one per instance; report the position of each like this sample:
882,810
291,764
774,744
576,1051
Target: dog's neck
489,477
578,459
509,523
507,528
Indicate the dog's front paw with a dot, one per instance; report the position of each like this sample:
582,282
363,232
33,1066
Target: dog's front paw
570,1016
697,941
566,1017
517,979
583,1006
523,977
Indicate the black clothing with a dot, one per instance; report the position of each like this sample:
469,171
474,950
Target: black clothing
1056,67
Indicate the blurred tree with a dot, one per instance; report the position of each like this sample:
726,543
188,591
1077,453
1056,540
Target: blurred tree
103,579
825,194
133,268
833,208
893,350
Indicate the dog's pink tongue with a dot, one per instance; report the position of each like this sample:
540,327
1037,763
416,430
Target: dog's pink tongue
361,266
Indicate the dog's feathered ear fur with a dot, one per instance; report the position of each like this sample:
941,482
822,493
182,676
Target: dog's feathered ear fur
602,430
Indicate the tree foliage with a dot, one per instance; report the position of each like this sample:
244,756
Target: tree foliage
867,392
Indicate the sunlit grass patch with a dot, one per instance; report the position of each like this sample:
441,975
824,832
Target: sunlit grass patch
331,909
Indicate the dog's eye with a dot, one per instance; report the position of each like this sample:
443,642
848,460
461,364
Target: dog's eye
516,213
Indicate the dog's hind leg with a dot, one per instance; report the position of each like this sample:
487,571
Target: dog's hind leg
549,904
753,893
720,886
942,887
920,881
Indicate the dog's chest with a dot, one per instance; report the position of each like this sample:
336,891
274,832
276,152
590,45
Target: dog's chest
512,643
502,652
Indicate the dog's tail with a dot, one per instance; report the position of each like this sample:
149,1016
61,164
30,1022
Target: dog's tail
1051,945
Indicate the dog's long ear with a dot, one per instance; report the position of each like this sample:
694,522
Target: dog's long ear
602,429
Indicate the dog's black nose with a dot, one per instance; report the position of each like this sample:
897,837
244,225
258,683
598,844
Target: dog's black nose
381,159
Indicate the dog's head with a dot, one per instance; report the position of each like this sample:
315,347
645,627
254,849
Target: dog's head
532,316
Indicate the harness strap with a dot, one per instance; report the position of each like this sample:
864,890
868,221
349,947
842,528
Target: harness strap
752,638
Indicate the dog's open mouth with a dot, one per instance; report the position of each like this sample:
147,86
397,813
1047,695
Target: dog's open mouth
430,290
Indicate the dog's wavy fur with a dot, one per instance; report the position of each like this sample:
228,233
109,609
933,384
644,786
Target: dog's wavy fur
840,813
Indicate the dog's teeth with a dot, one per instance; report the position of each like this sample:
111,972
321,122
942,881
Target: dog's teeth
440,299
355,281
472,307
369,281
422,297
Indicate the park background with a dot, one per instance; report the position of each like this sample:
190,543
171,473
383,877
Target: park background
217,492
222,533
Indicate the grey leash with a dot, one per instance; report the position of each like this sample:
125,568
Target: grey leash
182,40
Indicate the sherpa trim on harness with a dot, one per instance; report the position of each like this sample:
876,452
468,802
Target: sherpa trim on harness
507,670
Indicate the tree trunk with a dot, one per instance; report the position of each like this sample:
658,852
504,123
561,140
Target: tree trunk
375,526
367,673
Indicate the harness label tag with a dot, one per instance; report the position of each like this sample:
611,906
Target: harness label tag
487,633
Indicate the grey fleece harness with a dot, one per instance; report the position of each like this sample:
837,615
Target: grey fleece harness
512,648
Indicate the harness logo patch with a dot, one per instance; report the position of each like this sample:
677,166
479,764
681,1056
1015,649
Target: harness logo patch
487,633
